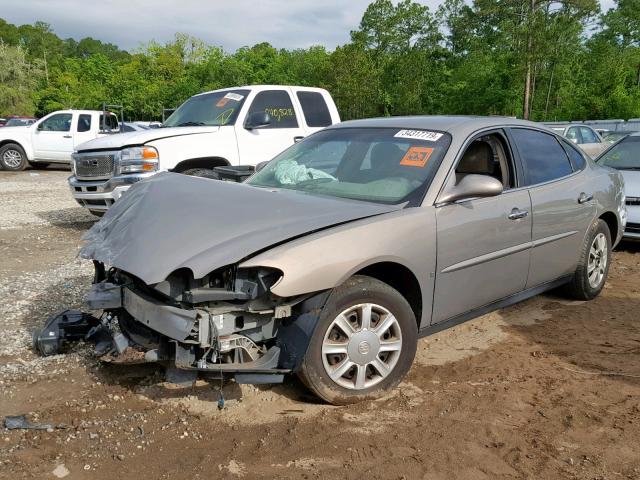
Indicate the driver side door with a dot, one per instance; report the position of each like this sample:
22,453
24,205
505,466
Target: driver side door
483,244
52,138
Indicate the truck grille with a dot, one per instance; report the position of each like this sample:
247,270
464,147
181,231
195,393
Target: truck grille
94,166
633,201
633,228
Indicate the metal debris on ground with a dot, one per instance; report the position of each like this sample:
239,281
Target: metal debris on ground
20,422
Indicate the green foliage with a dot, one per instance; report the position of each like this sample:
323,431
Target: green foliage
548,59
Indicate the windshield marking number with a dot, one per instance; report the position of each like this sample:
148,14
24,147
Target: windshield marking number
419,135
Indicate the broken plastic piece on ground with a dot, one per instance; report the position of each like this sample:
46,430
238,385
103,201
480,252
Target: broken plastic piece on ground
20,422
70,326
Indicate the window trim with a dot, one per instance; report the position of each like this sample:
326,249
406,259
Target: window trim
293,107
558,139
567,144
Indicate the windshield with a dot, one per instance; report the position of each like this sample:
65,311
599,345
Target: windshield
624,155
18,122
383,165
211,109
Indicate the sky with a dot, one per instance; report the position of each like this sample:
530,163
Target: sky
227,23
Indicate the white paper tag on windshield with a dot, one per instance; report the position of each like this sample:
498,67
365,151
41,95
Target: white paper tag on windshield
234,96
419,135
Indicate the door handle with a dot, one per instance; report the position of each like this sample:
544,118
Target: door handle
517,214
584,198
297,139
67,136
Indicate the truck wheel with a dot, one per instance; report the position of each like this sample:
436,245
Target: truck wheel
202,172
12,157
363,345
593,267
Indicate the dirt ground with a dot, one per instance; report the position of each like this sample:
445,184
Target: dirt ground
547,389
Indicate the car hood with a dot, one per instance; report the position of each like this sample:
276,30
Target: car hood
120,140
173,221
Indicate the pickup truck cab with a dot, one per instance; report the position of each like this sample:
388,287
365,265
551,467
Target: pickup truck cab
235,127
53,138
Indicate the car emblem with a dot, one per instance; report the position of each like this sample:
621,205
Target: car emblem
363,348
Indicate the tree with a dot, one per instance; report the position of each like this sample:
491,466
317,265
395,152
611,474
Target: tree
18,81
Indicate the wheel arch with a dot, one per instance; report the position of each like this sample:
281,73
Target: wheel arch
611,219
17,142
202,162
400,278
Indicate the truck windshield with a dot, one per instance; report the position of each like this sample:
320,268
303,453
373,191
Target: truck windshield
209,109
382,165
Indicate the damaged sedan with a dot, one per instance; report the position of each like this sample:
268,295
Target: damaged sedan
334,258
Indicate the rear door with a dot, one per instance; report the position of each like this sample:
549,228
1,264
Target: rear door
260,144
85,129
53,138
318,109
484,243
561,200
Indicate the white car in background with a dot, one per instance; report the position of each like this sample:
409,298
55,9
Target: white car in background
53,138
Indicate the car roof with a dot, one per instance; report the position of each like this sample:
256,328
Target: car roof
443,123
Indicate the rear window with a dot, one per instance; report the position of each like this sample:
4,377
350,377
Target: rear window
314,107
624,155
108,123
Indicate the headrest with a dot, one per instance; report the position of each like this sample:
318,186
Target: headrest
477,159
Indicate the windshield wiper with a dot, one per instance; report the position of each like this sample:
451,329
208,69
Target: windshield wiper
191,124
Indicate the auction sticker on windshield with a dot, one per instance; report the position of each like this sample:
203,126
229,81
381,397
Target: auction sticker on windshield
419,135
416,157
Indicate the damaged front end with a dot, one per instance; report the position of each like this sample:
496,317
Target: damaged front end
226,323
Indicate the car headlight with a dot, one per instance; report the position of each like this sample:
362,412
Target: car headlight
74,158
138,159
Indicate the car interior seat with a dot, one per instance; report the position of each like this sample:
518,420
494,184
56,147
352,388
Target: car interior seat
477,160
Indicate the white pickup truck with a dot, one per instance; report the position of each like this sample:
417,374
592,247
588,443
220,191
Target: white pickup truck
53,138
235,128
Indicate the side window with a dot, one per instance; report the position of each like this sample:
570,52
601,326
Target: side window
276,103
588,136
573,134
577,159
543,157
84,123
57,123
487,155
110,123
314,107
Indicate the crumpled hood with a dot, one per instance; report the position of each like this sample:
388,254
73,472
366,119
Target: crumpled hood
120,140
171,221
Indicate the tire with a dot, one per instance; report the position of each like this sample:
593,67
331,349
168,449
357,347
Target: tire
593,267
39,164
362,380
202,172
13,158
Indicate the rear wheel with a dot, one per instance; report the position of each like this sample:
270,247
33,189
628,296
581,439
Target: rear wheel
593,268
12,157
363,345
202,172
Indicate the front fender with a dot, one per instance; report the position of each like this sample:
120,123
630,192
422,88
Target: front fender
325,259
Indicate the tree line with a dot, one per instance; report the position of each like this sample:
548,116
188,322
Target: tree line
537,59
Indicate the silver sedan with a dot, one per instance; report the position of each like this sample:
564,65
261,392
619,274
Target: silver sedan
334,258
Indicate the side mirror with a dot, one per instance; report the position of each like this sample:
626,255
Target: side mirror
472,186
257,120
261,165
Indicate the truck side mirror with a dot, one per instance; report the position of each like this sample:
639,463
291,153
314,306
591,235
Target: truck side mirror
257,120
261,165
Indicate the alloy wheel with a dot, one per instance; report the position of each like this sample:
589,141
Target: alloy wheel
361,346
12,158
598,258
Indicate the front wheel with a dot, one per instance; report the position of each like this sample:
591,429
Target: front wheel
363,345
13,158
593,267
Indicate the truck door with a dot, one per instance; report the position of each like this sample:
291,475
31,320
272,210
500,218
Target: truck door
53,138
260,144
85,130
